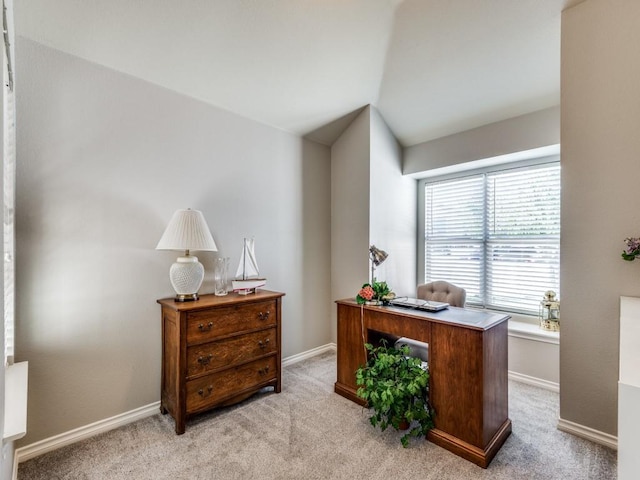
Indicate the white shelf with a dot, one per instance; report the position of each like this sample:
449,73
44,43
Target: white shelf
629,389
15,401
630,341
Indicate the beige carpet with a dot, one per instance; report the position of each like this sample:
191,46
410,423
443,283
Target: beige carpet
309,432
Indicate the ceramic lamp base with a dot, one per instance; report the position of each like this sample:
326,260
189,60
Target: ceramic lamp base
186,277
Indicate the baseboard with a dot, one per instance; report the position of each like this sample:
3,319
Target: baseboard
23,454
587,433
48,444
536,382
308,354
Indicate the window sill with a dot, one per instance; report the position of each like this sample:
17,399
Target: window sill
530,331
527,327
15,401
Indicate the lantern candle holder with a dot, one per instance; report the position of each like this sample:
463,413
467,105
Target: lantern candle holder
550,312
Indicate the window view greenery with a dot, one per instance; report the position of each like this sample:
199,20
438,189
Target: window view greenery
497,235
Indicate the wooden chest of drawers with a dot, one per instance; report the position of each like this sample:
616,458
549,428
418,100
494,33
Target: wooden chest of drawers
217,351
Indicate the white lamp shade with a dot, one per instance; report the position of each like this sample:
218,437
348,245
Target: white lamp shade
187,230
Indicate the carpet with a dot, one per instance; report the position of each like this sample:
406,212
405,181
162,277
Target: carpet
309,432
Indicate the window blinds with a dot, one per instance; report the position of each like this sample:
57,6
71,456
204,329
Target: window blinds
8,177
497,235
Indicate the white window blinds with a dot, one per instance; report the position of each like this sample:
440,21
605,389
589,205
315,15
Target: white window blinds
454,234
497,235
8,177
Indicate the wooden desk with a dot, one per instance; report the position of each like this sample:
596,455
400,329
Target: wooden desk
468,387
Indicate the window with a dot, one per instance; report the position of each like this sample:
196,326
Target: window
8,200
496,233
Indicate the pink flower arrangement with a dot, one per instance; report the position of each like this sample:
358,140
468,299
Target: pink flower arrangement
366,293
376,291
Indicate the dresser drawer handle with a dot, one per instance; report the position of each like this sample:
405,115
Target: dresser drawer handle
264,371
264,316
264,344
205,328
205,360
205,393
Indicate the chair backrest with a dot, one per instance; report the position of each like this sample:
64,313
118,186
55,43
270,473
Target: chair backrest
441,291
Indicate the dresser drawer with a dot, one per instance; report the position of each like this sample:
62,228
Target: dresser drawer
207,391
206,325
211,356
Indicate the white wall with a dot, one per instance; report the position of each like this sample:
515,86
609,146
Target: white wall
535,358
103,161
600,197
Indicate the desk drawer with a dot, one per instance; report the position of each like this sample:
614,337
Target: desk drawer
206,325
208,391
398,325
215,355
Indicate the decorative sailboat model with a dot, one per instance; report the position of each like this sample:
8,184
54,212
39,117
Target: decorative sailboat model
247,276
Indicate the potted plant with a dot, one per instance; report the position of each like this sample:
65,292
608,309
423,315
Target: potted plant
376,293
395,386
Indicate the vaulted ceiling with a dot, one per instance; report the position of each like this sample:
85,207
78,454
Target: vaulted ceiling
431,67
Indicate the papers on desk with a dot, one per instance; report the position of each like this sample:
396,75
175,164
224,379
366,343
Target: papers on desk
419,304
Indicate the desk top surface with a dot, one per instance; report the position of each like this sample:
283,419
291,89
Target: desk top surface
464,317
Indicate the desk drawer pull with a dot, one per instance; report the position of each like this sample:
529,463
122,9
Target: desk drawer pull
264,344
205,328
264,371
205,393
264,316
205,360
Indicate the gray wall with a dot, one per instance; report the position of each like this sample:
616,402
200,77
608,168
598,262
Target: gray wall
526,132
350,210
371,203
103,161
392,213
600,157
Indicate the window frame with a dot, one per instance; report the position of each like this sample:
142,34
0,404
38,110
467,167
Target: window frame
460,174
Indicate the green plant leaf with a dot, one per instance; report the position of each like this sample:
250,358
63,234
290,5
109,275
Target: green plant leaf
395,386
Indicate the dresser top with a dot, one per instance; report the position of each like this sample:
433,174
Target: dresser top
210,300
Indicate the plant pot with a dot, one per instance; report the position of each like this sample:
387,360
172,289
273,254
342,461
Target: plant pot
403,425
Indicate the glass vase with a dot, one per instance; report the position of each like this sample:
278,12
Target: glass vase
221,272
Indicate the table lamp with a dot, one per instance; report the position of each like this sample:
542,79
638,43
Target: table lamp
377,256
187,231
